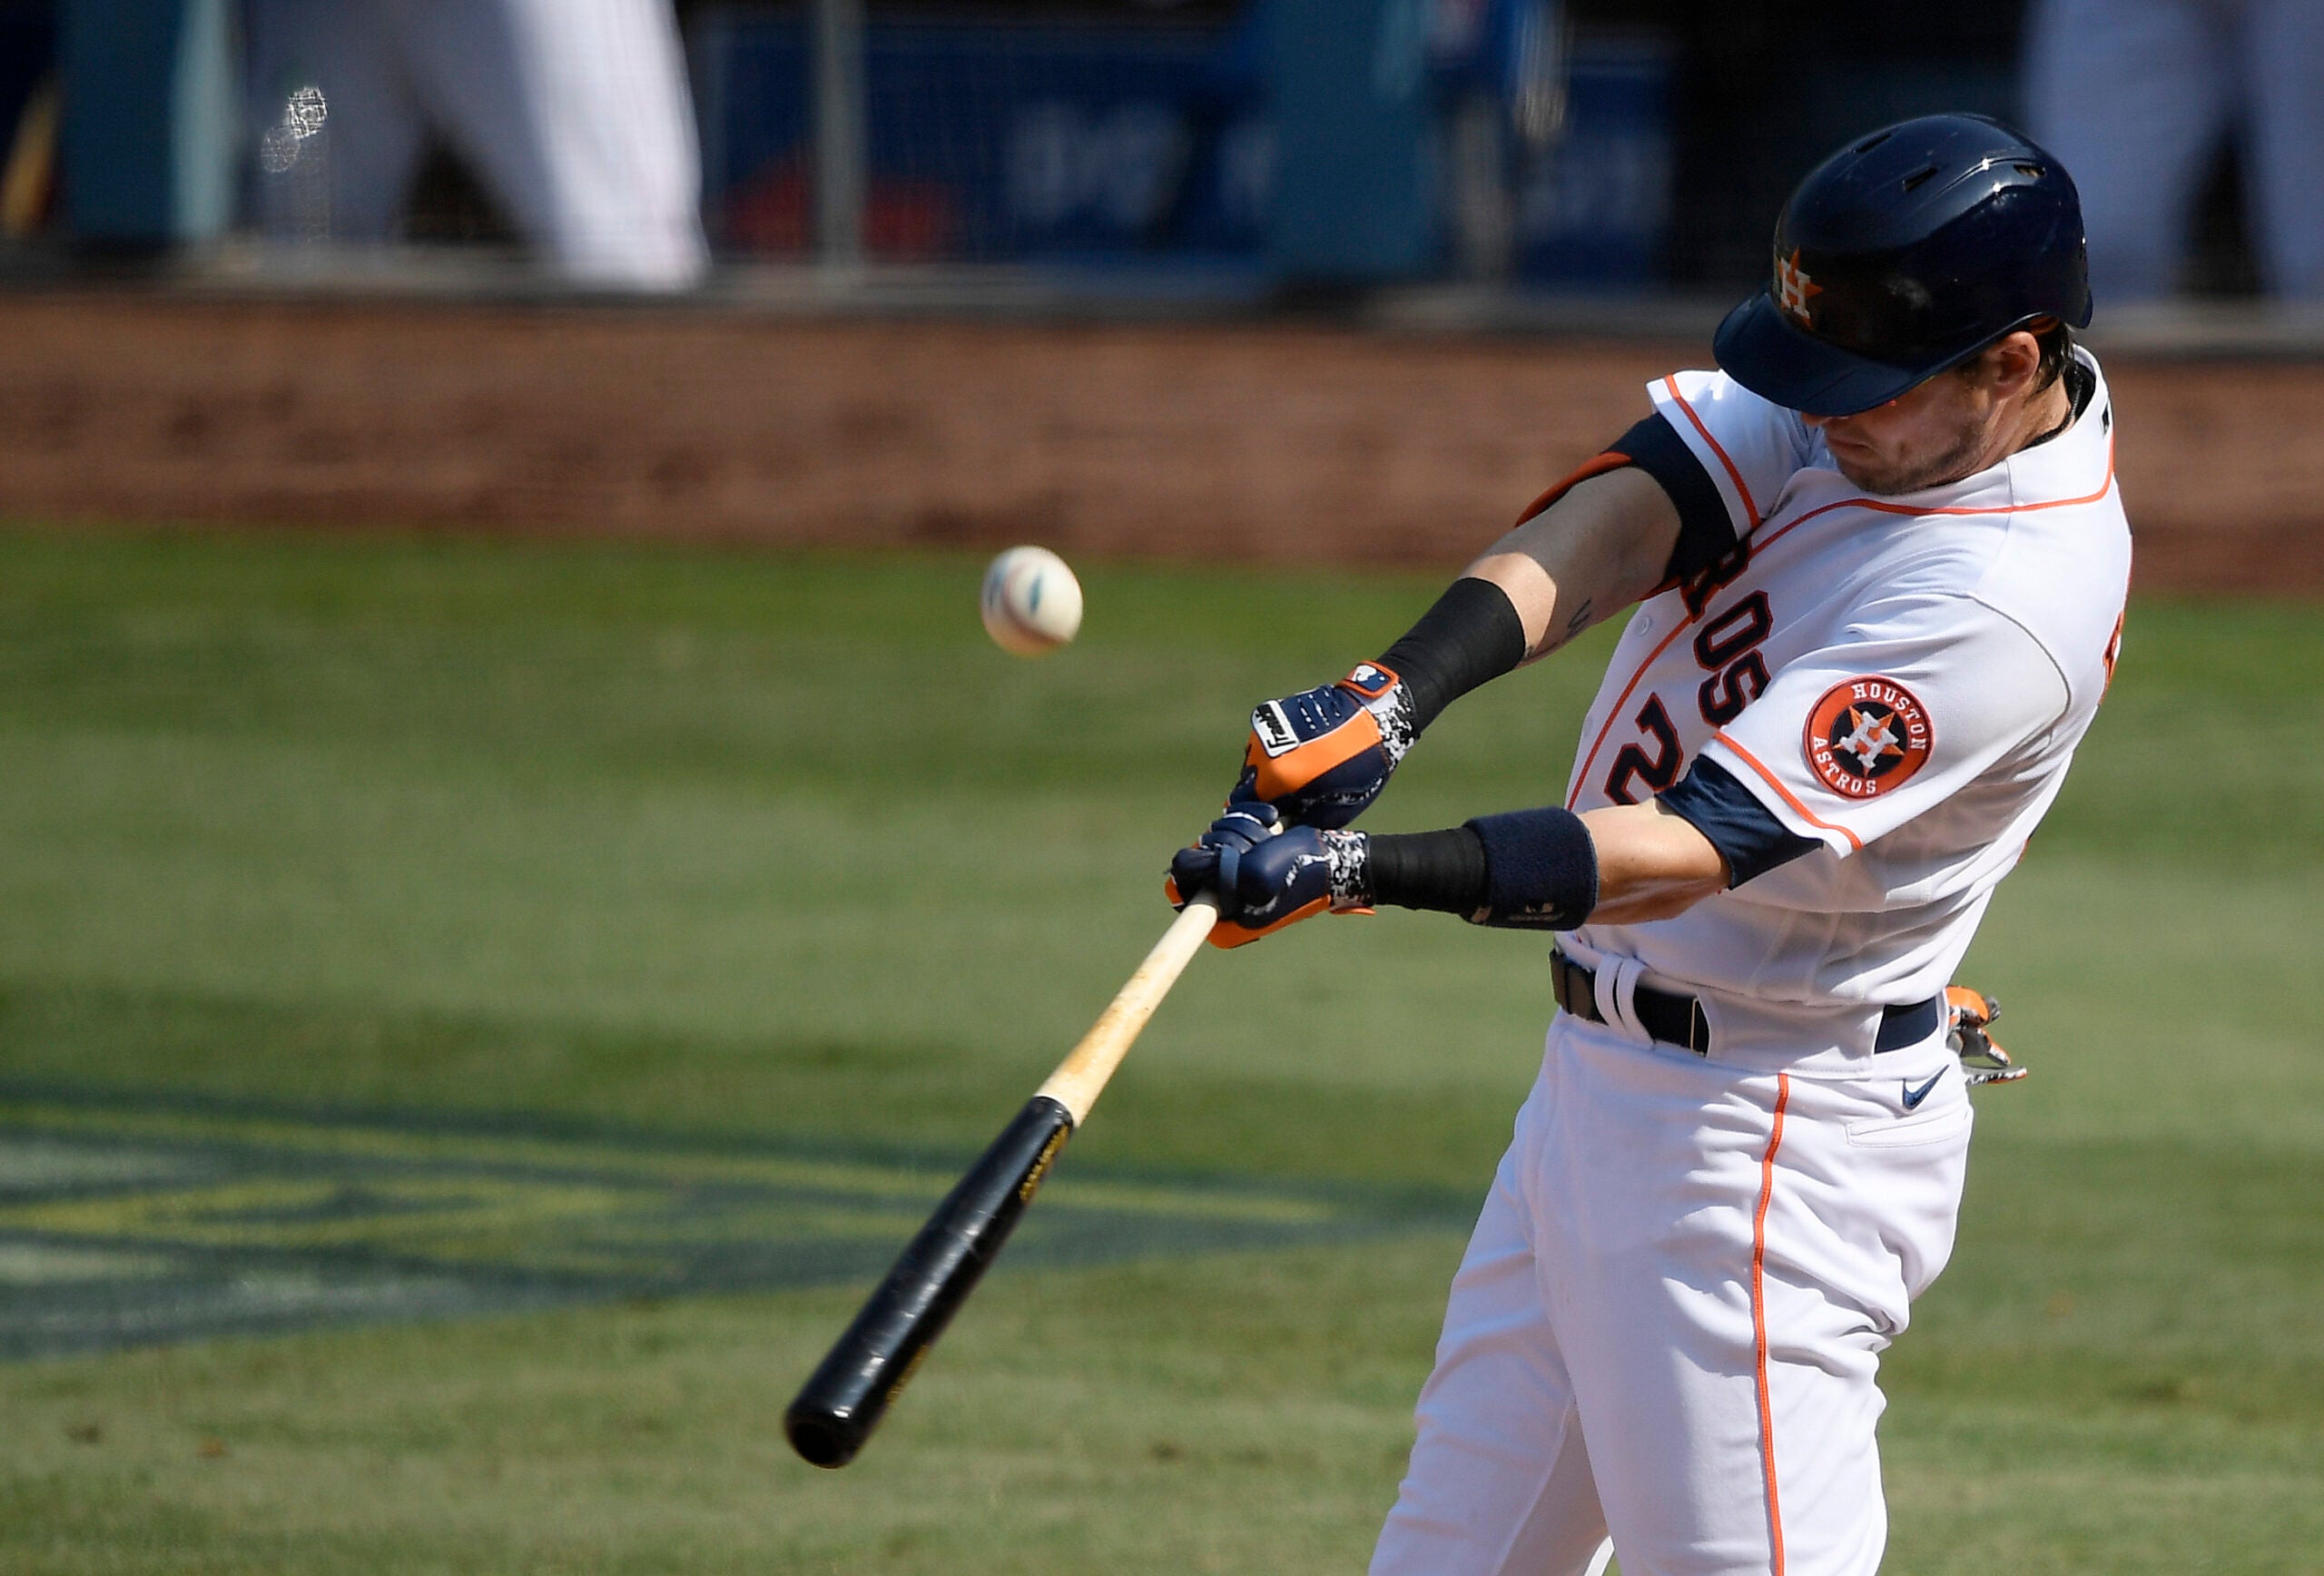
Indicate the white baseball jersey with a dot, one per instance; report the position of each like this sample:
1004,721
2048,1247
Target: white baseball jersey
1901,679
1667,1324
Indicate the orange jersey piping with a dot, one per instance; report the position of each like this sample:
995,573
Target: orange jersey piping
1733,475
1613,715
1759,1325
1790,798
2104,486
1621,701
1612,459
1689,622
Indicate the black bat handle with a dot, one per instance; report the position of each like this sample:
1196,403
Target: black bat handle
844,1399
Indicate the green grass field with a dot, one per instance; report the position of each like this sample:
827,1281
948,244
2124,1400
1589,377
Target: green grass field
735,848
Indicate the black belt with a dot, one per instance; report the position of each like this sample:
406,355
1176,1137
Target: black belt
1676,1019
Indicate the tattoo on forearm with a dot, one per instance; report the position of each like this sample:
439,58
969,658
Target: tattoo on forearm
1573,626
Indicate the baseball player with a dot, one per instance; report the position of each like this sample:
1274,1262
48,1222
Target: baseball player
1878,560
2140,94
573,113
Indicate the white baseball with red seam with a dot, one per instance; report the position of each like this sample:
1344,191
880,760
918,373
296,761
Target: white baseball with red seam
1032,602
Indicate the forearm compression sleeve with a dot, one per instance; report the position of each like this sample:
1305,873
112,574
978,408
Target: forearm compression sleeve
1472,634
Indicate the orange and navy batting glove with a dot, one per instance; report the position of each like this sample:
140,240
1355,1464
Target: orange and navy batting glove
1321,756
1267,876
1967,1015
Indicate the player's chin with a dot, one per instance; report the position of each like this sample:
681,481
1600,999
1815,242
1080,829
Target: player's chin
1855,461
1863,466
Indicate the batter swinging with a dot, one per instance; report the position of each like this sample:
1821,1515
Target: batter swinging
1879,560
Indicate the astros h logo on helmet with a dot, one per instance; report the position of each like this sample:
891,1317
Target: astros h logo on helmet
1867,735
1793,287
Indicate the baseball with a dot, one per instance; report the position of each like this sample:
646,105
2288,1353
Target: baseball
1032,602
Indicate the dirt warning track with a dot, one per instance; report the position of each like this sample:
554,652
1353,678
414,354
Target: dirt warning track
1267,443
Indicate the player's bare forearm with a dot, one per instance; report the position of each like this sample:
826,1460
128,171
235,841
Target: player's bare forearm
1595,551
1320,757
1652,863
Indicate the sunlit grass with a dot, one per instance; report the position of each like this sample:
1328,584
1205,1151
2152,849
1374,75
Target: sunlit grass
731,843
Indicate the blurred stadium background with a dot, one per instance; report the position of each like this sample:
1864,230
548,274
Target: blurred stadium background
520,876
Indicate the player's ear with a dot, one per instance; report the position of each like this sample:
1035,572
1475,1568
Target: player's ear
2010,365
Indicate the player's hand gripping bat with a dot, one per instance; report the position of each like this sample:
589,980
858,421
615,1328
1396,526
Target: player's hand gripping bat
844,1399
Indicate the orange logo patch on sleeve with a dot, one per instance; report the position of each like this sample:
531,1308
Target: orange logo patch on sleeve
1867,735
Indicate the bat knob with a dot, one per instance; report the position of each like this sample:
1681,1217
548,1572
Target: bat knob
822,1438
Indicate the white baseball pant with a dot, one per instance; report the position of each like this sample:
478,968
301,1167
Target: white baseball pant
2137,96
1669,1319
575,114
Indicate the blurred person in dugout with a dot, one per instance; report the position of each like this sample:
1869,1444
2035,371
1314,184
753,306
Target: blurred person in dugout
574,114
2135,97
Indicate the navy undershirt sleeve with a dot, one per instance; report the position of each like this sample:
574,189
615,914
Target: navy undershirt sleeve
1706,530
1734,822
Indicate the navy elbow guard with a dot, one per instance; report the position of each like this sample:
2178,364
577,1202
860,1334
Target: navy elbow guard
1540,870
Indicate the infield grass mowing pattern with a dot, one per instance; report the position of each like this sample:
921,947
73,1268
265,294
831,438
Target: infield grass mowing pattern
741,844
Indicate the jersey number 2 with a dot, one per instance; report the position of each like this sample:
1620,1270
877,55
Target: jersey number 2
1657,771
1728,650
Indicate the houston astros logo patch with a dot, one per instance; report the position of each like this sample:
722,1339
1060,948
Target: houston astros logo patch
1867,735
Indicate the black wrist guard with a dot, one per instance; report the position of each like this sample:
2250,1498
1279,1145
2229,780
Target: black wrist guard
1445,870
1540,870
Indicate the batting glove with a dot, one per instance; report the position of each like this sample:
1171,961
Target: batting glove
1266,876
1320,757
1969,1015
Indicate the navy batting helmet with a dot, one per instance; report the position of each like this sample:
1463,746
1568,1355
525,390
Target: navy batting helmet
1905,253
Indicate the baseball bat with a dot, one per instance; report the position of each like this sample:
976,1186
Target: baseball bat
868,1367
